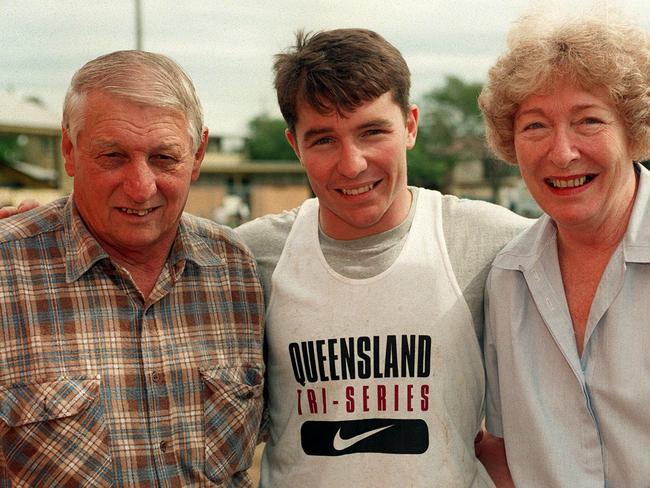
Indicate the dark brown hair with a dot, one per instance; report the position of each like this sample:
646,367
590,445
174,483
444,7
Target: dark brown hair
337,71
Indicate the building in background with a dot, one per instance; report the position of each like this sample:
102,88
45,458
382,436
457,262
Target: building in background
493,181
30,155
232,189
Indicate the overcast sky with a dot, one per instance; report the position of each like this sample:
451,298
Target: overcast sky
227,46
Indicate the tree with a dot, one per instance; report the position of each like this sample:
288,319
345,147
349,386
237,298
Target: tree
10,148
450,130
266,141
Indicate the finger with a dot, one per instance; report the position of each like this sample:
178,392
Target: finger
28,204
8,211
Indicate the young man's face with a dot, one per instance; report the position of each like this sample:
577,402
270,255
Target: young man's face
356,164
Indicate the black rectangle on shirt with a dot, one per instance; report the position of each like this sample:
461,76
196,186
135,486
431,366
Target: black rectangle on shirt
388,436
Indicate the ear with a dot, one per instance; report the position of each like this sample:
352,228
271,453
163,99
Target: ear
412,126
293,142
67,149
200,154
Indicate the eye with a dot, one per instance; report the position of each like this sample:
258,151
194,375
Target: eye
110,159
591,121
164,159
323,141
534,125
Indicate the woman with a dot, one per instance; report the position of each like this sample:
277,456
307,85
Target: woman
567,346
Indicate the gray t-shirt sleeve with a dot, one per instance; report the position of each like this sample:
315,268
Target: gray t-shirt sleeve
475,231
265,237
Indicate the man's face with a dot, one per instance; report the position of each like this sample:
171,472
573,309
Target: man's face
132,167
356,164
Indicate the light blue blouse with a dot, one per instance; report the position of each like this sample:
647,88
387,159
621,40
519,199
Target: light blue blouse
570,421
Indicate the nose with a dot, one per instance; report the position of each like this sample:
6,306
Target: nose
352,161
139,181
563,150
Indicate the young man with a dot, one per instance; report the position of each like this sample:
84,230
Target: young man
374,289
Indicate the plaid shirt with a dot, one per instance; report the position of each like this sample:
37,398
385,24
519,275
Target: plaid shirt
99,387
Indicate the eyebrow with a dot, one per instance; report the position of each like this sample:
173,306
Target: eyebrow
110,144
576,108
169,147
103,144
380,123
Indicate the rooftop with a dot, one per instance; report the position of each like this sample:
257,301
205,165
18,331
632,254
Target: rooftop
26,114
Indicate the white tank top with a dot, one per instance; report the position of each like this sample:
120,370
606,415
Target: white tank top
372,382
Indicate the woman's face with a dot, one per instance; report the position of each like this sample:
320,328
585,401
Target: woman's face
574,156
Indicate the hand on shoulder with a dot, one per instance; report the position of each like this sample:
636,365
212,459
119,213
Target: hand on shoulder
23,206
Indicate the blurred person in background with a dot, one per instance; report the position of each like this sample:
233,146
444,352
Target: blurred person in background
567,339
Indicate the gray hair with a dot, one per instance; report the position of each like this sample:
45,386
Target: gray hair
140,77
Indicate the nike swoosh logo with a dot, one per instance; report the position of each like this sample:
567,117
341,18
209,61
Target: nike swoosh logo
341,444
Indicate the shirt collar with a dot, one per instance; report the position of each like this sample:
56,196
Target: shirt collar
194,245
636,244
527,248
83,251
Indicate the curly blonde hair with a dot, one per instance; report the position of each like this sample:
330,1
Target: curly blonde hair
591,53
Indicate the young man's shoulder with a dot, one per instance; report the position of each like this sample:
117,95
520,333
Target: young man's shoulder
480,219
267,235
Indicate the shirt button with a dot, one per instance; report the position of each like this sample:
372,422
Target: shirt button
163,446
155,377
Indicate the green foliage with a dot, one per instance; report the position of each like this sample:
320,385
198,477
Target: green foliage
427,170
266,141
450,130
10,149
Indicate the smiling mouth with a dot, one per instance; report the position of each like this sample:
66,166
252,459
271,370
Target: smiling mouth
133,211
571,182
357,191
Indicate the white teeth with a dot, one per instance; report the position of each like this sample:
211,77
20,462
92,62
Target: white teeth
357,191
569,183
131,211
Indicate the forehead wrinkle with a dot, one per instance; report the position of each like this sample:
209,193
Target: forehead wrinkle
109,144
573,109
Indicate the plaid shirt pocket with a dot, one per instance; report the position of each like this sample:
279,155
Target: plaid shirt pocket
233,411
54,434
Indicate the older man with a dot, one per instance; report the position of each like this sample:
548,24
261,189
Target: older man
130,334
